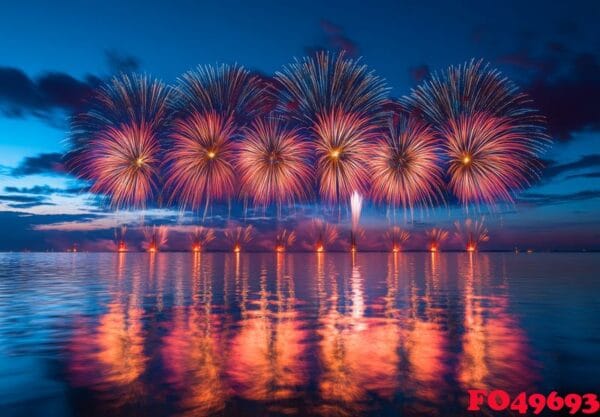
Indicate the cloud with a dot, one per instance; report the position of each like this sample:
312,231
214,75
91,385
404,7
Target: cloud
541,199
45,190
587,161
334,38
22,95
587,175
44,163
22,198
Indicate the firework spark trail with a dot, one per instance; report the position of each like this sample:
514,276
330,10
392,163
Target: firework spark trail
322,234
318,84
239,236
273,164
435,238
396,237
342,151
472,233
116,143
228,90
356,203
492,135
404,167
155,238
119,241
201,237
200,162
284,240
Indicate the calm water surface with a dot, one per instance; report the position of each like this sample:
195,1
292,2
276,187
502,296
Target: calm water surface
291,334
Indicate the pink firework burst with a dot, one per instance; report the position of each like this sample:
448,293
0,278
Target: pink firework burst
342,151
117,142
273,164
200,160
492,135
404,168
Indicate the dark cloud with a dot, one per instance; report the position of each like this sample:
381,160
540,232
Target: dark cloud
553,169
542,199
44,163
568,97
45,190
587,175
22,198
43,96
334,38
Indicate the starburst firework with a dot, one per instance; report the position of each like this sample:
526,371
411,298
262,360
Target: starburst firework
155,238
471,233
201,237
396,238
322,235
238,236
435,238
284,240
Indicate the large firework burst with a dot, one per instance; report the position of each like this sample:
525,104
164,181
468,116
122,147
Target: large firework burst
117,141
238,236
435,238
405,167
200,161
322,234
201,237
228,90
155,238
472,233
342,151
273,164
284,240
324,82
396,238
492,135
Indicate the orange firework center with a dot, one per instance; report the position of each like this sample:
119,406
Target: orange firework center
211,154
280,248
335,153
466,160
433,247
396,249
237,248
320,248
471,247
152,248
122,247
139,162
196,247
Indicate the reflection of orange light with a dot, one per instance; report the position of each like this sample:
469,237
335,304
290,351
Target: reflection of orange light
280,248
237,249
320,248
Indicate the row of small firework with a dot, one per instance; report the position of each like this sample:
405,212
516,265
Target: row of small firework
322,236
319,130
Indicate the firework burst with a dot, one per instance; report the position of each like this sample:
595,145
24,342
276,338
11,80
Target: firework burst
342,151
155,238
201,237
322,234
324,82
117,142
493,137
239,236
228,90
435,238
200,161
273,164
396,238
405,167
284,240
472,233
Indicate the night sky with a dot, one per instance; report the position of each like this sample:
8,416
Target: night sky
52,54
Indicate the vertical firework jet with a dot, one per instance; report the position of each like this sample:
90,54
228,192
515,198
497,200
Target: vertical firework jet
201,237
239,236
284,240
404,168
322,235
273,164
116,143
155,238
491,134
472,233
396,238
356,202
120,244
435,238
339,100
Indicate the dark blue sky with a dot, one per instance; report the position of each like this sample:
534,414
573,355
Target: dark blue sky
51,53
